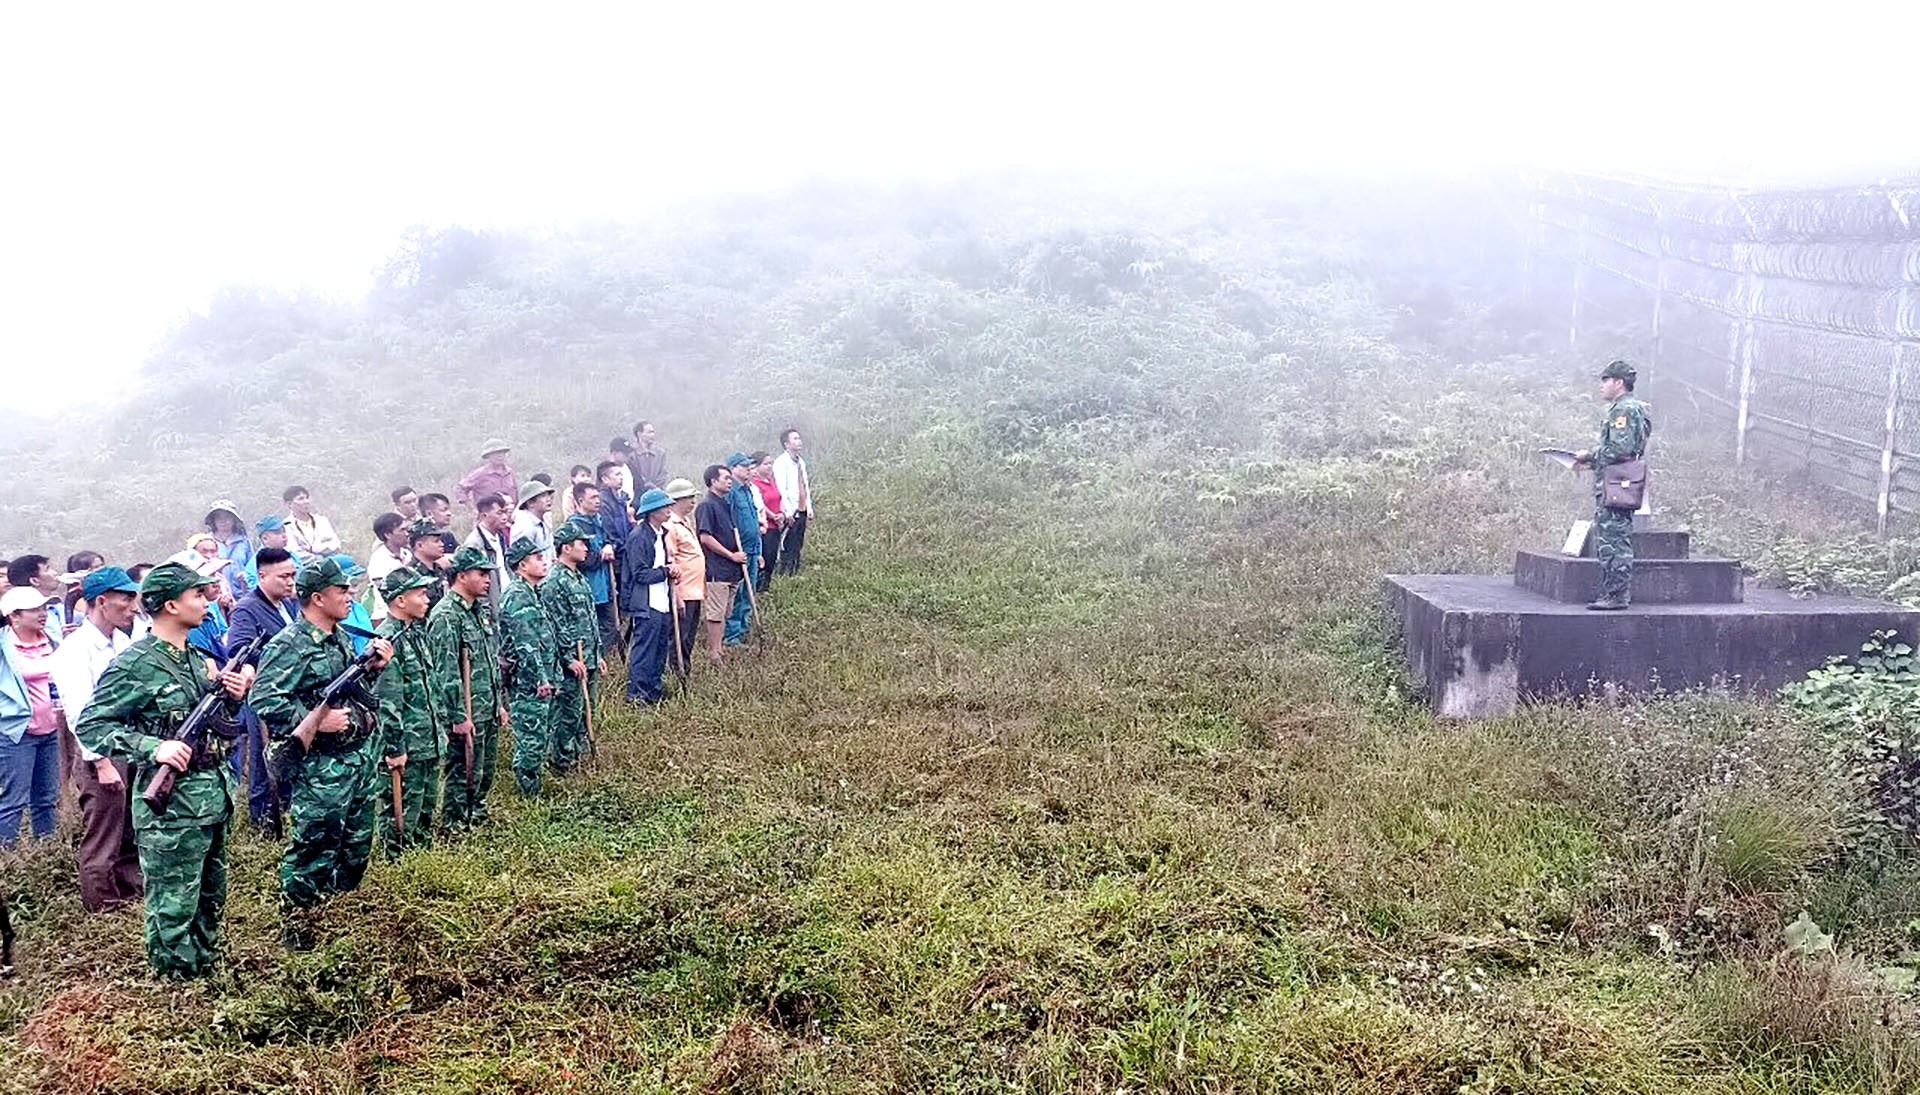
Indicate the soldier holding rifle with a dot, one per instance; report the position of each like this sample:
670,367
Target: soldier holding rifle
322,729
137,715
410,719
466,684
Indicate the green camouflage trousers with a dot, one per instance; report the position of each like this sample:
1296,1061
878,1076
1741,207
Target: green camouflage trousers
459,807
330,817
569,719
186,889
1613,546
532,718
419,788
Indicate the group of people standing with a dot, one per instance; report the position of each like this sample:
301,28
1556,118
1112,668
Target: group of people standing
355,697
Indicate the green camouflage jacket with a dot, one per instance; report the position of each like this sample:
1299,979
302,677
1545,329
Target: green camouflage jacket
528,634
570,606
295,669
409,713
1623,435
141,700
457,625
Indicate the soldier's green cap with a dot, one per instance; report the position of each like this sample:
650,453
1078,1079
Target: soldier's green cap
678,489
1617,370
321,573
520,549
568,533
493,445
531,489
470,558
421,529
402,580
168,581
735,460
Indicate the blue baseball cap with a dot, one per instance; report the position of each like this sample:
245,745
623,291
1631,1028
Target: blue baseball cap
107,580
272,522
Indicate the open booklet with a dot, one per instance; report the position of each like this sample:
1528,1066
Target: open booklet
1563,457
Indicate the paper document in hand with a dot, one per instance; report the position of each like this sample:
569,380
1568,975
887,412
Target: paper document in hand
1562,457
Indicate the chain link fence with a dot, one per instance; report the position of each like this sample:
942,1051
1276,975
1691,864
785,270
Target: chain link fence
1794,316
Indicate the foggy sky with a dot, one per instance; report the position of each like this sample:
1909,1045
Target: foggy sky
156,153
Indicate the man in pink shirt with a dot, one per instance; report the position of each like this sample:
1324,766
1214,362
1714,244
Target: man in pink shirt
493,476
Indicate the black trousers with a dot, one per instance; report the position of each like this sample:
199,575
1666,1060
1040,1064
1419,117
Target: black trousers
791,540
609,633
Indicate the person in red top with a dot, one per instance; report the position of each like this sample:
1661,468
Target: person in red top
776,522
493,476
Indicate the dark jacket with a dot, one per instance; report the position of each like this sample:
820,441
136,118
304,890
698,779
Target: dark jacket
637,571
255,615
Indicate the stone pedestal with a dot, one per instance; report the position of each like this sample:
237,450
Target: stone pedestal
1477,645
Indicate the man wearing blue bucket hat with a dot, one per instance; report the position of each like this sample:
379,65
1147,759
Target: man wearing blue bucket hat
643,596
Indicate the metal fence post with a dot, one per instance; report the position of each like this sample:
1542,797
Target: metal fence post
1742,346
1579,285
1891,439
1659,287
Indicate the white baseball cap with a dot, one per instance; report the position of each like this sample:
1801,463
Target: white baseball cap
20,597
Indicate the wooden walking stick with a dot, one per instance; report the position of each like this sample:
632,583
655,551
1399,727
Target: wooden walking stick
399,811
466,699
586,705
753,600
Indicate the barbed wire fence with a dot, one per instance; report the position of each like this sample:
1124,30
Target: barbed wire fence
1794,316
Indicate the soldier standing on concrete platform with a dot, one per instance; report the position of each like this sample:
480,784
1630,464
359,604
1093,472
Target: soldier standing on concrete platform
1623,437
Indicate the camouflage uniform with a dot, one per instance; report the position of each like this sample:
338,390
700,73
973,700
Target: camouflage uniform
410,724
141,700
1623,436
456,625
331,809
528,636
577,630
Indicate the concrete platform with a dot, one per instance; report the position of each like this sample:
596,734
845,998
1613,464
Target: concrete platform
1477,645
1676,580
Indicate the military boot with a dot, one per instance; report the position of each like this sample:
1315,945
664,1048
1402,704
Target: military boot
1608,603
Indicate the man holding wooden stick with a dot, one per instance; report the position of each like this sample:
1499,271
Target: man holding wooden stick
410,720
569,601
533,652
466,684
689,572
645,577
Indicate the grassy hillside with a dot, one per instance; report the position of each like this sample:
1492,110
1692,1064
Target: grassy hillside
1078,760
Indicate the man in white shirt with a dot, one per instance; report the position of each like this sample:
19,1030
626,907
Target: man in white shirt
492,522
308,533
109,862
791,476
530,519
392,554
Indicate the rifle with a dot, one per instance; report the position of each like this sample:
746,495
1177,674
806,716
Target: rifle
159,790
586,706
466,701
347,689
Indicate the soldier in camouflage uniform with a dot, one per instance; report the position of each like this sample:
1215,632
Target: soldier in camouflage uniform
331,808
410,719
576,628
424,539
527,635
1623,436
462,624
140,703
